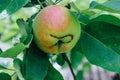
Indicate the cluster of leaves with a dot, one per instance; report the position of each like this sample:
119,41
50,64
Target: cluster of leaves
8,7
99,42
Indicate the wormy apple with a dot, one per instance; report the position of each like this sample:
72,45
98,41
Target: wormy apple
56,30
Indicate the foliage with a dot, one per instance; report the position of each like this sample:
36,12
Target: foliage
99,41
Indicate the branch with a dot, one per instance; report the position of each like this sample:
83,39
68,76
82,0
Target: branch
69,63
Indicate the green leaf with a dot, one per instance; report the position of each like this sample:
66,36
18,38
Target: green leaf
35,63
60,60
79,75
99,54
107,18
74,6
106,28
111,6
5,76
53,74
76,59
104,32
1,51
9,35
2,67
14,76
18,66
2,28
4,4
21,24
86,67
88,12
28,26
33,3
28,41
14,6
83,18
76,56
14,51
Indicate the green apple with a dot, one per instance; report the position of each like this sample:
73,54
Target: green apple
56,30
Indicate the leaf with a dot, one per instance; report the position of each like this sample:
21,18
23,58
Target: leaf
88,12
110,6
105,31
14,76
28,26
5,76
33,3
18,66
108,19
79,75
1,51
14,6
76,59
106,28
21,24
99,54
86,67
83,17
4,4
74,6
9,35
76,56
2,28
28,41
53,74
35,63
2,67
14,51
60,60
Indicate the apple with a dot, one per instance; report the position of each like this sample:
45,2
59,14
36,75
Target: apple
56,30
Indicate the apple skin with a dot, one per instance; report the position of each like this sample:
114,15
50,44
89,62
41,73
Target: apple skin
56,30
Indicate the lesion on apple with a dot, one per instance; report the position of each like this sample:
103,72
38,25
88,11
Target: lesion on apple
62,40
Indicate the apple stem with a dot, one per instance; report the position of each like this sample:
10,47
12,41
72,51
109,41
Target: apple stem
69,63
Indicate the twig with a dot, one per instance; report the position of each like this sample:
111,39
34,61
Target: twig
69,63
57,1
40,4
